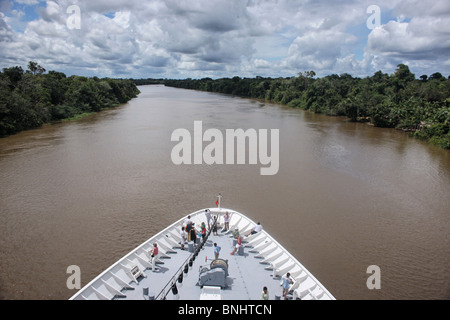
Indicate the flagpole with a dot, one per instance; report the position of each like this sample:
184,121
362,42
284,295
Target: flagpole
220,197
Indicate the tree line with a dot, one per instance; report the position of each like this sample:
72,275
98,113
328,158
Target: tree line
419,106
30,98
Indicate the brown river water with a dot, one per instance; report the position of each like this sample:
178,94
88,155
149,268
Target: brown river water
347,195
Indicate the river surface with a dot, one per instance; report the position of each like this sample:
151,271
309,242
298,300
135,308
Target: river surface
347,196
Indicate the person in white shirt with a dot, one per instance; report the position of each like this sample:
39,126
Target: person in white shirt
226,220
208,218
187,221
255,229
265,294
286,282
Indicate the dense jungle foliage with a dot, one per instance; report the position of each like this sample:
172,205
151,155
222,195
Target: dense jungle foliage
31,98
420,106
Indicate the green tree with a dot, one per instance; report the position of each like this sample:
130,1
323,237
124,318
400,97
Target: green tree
14,74
30,99
437,76
402,73
35,68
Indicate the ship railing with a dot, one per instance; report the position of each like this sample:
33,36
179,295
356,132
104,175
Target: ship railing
171,284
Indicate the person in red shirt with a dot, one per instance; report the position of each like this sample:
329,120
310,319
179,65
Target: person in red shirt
238,244
203,226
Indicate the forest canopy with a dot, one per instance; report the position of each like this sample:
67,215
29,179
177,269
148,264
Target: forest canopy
30,98
420,106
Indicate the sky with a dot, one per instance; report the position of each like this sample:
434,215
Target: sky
180,39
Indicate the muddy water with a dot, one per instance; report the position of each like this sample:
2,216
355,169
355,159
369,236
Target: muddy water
347,196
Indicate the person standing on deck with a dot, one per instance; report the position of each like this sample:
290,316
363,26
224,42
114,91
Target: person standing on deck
193,234
203,227
208,218
154,255
187,221
216,251
226,220
188,224
215,226
287,281
265,294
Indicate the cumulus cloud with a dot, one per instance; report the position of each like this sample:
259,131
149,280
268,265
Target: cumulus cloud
318,50
6,33
205,38
420,36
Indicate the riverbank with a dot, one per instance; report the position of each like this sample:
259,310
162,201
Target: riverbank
29,99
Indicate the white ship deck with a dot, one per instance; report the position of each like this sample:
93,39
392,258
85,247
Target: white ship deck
263,263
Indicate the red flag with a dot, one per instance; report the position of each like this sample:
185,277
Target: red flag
217,203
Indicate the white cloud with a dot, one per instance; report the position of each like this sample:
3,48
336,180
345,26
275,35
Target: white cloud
215,38
122,18
52,12
318,50
6,32
420,38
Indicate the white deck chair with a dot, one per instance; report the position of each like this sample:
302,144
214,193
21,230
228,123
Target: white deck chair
104,291
254,240
261,246
306,293
113,286
267,250
122,280
175,236
122,275
243,226
276,260
133,270
272,256
165,246
172,240
90,294
284,268
302,290
299,280
143,258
